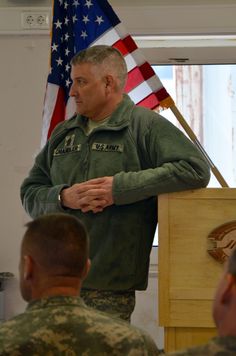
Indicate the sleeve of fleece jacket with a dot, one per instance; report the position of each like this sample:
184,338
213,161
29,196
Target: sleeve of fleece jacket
38,195
172,162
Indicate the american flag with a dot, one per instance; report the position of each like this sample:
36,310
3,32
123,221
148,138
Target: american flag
78,24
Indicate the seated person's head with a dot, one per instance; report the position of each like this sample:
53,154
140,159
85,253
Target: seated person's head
54,256
224,306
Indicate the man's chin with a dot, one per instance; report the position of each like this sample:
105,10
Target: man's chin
82,112
79,110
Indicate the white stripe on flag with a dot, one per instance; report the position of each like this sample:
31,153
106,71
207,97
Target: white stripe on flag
132,61
70,108
144,89
49,105
109,38
154,83
140,92
138,56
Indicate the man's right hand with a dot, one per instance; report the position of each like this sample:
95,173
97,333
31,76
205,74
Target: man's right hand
93,195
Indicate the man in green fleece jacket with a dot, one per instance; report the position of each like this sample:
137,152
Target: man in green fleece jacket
107,165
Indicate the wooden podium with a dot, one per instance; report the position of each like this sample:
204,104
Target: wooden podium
188,275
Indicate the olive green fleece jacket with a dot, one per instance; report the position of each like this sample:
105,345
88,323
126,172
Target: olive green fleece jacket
147,156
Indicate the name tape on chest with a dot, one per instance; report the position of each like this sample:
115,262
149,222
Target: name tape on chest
107,147
66,149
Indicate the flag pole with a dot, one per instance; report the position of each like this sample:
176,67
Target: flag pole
193,137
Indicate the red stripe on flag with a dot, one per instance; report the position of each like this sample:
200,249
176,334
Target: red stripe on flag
121,47
138,75
150,102
125,45
146,70
134,78
162,94
59,111
153,100
129,43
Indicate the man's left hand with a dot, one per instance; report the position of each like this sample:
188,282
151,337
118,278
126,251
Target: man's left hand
96,194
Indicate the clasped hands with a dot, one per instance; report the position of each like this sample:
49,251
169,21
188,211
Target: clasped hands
92,195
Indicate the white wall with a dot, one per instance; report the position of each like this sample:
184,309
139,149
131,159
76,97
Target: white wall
23,70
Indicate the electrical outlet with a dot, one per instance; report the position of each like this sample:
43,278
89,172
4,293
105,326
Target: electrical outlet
35,20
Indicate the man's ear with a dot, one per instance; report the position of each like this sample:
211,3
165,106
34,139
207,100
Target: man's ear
109,81
229,289
27,267
86,269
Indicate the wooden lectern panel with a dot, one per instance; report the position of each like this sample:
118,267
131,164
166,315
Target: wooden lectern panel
188,275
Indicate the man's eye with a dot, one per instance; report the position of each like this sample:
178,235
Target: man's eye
81,82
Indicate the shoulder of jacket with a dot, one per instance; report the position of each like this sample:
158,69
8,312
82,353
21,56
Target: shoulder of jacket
64,125
62,128
145,115
143,120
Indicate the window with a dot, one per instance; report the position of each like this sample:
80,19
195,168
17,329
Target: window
206,97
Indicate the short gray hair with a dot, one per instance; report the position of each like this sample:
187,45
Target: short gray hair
108,56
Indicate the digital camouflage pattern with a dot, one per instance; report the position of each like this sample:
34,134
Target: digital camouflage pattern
66,326
218,346
117,303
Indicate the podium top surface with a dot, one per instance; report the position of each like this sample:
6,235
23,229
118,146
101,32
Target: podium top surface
204,193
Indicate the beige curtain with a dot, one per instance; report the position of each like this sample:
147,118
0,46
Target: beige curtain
188,81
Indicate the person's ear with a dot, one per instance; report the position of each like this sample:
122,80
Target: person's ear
109,82
27,267
86,269
229,289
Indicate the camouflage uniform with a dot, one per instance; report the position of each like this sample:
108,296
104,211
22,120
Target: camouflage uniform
118,303
66,326
218,346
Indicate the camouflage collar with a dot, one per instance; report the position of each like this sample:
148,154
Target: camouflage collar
55,301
